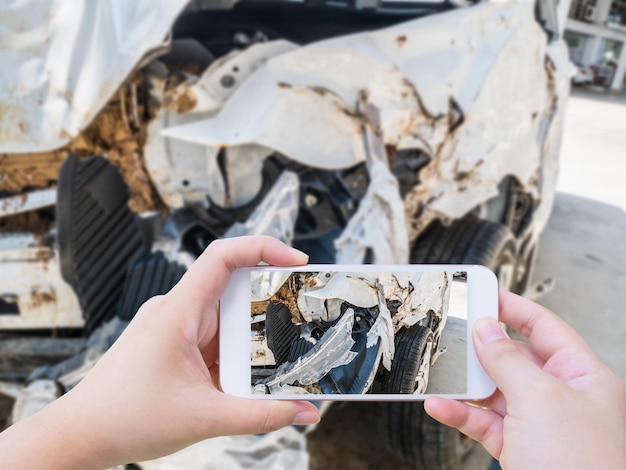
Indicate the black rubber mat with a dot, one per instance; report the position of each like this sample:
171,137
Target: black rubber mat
151,275
279,330
98,235
299,347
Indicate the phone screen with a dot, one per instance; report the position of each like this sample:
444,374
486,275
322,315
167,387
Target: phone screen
335,332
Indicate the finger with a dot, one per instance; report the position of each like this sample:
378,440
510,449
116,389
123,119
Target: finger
503,359
484,426
496,401
234,416
546,331
206,280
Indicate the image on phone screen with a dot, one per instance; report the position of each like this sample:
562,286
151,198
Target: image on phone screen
338,332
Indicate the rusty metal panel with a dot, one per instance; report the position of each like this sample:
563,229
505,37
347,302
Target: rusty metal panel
31,282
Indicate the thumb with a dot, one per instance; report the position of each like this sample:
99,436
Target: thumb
509,368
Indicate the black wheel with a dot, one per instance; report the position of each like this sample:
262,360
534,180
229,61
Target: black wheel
470,241
409,432
421,440
410,369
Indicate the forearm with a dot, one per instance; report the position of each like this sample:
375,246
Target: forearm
54,438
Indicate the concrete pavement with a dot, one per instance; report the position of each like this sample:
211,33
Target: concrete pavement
584,245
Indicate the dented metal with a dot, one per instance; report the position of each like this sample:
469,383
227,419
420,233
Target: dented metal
476,95
379,224
428,84
276,214
27,202
434,85
45,300
383,330
47,95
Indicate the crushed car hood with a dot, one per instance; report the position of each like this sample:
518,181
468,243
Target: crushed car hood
62,62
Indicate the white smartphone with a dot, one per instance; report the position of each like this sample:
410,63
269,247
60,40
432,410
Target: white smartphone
367,332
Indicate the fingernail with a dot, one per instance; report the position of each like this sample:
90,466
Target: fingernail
300,254
306,417
488,330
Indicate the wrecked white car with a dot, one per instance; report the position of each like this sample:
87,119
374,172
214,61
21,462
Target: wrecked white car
342,327
359,131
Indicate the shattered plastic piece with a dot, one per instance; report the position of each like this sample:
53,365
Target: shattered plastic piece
332,350
282,449
99,343
290,390
181,171
27,202
21,354
311,308
258,388
10,389
379,224
186,171
33,398
276,215
71,371
266,283
383,329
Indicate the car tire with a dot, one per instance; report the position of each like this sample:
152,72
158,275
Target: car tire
408,431
420,440
414,348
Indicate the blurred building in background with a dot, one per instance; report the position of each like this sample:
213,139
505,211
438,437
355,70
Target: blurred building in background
595,31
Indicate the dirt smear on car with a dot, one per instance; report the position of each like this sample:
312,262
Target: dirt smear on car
115,133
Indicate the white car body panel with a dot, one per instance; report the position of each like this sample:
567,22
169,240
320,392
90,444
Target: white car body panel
62,61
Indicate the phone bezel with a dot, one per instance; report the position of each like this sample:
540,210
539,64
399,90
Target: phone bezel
235,347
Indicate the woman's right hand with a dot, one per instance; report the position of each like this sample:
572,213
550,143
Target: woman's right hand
557,406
